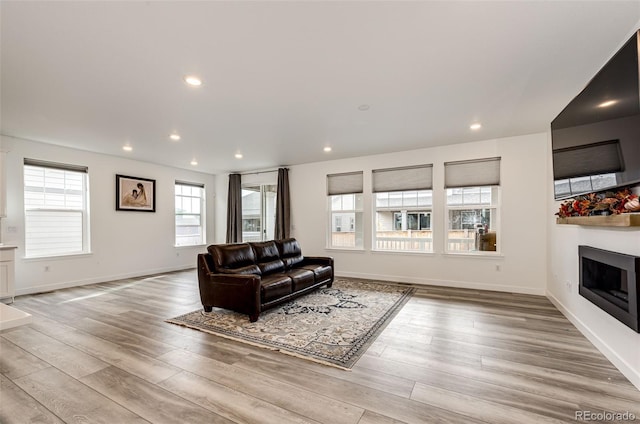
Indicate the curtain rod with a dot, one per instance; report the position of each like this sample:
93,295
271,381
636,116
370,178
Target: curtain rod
264,171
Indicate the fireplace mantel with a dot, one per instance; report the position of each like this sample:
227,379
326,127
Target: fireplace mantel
621,220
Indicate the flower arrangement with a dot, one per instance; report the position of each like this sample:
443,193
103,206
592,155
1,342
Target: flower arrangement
604,203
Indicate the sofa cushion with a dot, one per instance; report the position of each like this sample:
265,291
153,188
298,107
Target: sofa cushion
265,251
271,267
290,252
231,256
301,278
268,257
274,286
321,272
249,269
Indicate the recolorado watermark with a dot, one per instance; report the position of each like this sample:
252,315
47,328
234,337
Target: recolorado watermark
604,416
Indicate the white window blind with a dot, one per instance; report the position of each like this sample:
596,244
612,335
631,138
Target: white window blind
472,173
55,202
402,179
346,183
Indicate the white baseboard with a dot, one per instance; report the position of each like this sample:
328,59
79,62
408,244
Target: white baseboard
101,279
446,283
627,370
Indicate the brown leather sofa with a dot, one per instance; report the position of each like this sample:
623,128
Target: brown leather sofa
252,277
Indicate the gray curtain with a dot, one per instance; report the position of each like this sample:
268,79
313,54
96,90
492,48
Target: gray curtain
234,209
283,201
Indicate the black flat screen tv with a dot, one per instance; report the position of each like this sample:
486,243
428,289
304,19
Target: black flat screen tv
596,138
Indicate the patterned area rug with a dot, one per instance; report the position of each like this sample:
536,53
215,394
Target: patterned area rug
334,326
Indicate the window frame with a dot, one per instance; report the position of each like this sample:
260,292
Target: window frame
201,215
352,214
402,191
83,211
494,206
264,218
340,185
402,211
474,174
575,181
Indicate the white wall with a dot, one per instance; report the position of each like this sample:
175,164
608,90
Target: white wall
127,244
523,218
123,244
618,342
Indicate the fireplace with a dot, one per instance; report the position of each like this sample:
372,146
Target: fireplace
610,280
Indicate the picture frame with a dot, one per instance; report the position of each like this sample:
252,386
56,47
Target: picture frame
135,194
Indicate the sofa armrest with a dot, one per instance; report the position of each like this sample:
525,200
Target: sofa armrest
318,260
239,292
205,264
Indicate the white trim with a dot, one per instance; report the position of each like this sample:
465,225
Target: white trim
61,256
623,366
477,254
446,283
346,249
402,252
102,279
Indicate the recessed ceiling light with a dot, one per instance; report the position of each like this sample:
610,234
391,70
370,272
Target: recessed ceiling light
363,107
238,155
327,149
194,162
174,137
193,80
127,148
608,103
475,126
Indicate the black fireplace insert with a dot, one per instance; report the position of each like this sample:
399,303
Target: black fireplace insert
610,281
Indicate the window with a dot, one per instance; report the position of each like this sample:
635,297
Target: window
258,212
473,191
588,184
403,203
190,214
56,209
345,209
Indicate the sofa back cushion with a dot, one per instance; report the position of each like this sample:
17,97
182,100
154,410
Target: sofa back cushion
234,258
290,252
267,257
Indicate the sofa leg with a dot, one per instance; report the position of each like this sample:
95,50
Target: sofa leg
208,308
329,284
253,317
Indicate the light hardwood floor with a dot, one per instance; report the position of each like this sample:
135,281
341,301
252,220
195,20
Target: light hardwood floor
103,354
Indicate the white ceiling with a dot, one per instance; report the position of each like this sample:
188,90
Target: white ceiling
284,79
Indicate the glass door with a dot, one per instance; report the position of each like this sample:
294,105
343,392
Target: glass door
258,212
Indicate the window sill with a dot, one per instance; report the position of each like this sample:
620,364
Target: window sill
187,246
344,249
402,252
483,255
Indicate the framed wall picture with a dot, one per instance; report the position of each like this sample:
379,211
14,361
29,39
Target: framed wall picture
135,194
